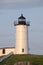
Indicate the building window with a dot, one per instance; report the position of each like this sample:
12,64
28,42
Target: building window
22,50
3,51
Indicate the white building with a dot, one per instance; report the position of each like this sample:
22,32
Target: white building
6,50
22,46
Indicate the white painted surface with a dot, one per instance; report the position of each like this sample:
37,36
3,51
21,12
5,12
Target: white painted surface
7,51
21,39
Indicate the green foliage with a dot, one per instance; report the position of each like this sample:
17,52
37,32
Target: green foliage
16,58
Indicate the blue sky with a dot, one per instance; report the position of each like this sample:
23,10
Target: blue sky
34,14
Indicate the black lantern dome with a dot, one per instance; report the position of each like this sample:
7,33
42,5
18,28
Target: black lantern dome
22,20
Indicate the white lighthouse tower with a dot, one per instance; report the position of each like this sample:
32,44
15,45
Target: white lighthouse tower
22,36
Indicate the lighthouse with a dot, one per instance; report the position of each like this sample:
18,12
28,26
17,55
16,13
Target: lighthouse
22,46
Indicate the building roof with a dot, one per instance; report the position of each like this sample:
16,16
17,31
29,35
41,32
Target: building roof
7,47
21,17
22,21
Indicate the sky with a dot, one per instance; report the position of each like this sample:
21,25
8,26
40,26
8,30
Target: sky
10,10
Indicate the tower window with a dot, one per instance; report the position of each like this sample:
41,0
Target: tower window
3,51
23,50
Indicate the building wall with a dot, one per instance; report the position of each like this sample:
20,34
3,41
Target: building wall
7,51
21,39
